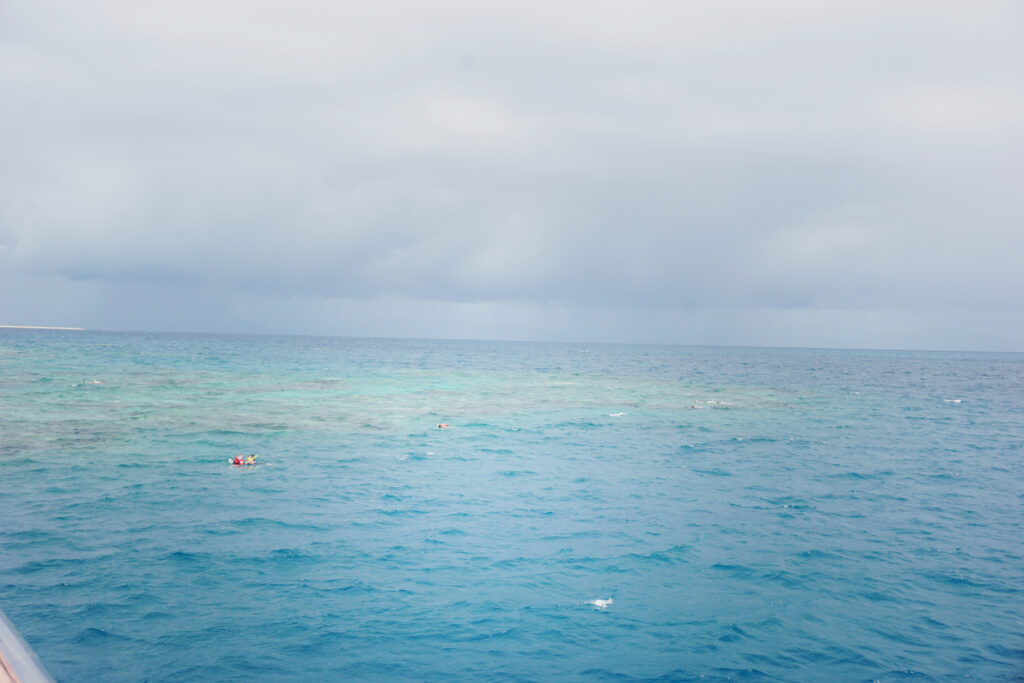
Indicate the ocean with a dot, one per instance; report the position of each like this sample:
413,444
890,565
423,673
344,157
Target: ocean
591,512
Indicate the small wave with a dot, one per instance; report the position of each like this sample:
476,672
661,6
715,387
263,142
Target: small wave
714,472
1011,653
583,424
263,522
733,633
784,578
40,565
157,615
735,570
265,426
791,503
668,556
97,635
952,400
877,596
853,475
285,555
226,432
396,512
21,461
615,414
900,674
188,558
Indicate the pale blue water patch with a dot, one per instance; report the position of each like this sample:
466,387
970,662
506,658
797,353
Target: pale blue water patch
747,513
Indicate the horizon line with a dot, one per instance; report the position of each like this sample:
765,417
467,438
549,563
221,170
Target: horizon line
514,341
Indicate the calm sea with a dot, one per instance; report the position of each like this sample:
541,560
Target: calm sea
597,512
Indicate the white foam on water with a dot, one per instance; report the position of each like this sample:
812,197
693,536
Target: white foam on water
601,604
615,414
952,400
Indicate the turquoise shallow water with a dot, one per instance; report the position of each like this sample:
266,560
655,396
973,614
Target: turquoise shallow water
748,513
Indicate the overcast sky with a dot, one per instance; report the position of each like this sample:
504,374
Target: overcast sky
798,173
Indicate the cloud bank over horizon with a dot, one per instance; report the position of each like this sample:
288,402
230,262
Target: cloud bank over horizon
804,173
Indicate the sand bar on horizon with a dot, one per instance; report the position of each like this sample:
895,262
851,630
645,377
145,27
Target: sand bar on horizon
37,327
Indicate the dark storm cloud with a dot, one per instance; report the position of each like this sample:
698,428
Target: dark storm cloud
664,171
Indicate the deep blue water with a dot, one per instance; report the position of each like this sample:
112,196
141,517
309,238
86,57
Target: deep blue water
750,513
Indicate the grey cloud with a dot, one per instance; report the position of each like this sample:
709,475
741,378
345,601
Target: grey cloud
518,169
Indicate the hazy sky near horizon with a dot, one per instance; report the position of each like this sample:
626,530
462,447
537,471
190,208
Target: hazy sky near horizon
799,173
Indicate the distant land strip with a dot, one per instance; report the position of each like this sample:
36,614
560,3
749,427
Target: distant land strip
37,327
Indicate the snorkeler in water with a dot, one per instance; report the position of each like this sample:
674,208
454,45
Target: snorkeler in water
251,460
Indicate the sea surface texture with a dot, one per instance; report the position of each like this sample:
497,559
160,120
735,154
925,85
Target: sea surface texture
592,512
